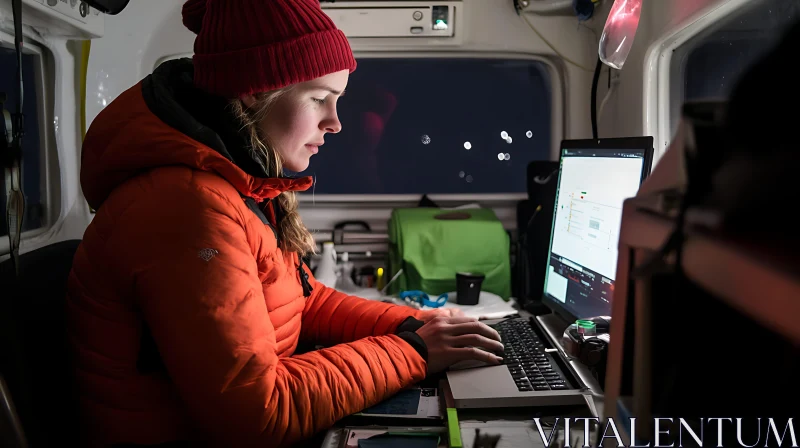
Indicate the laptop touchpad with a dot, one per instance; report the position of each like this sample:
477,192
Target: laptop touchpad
484,382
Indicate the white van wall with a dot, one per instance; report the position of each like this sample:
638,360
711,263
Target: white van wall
67,213
641,104
148,31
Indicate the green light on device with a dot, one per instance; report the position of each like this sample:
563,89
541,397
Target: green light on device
440,15
586,327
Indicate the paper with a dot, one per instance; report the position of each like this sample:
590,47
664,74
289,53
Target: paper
410,403
355,435
490,306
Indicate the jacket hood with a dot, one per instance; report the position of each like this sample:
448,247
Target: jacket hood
160,122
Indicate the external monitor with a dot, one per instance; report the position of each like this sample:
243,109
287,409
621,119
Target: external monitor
594,179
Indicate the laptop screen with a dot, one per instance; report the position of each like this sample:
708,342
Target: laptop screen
593,183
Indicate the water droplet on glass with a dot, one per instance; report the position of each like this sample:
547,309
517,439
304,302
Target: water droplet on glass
507,156
461,174
504,135
469,179
467,145
501,156
509,140
529,134
426,139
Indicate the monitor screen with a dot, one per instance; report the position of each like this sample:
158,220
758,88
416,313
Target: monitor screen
593,183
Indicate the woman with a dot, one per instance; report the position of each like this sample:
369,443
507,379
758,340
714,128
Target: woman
187,297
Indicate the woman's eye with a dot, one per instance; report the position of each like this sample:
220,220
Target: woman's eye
319,101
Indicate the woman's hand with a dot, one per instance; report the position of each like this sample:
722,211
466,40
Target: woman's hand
428,316
453,339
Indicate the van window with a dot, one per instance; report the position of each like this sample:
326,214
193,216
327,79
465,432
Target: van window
714,60
437,126
33,183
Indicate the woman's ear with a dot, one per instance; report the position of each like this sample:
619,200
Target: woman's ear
248,100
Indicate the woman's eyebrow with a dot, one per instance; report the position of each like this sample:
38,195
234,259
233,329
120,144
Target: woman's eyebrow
331,90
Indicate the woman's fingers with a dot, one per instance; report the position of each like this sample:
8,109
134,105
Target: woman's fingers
478,341
477,327
474,353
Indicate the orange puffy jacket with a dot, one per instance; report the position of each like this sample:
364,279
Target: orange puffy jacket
183,313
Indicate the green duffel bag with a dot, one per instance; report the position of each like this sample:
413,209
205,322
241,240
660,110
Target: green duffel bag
431,245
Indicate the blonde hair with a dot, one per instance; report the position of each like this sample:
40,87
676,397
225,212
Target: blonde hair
294,236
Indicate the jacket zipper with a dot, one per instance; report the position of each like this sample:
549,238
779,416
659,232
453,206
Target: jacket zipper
304,279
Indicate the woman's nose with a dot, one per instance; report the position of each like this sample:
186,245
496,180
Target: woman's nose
332,124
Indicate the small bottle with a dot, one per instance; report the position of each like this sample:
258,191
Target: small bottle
345,282
380,280
326,270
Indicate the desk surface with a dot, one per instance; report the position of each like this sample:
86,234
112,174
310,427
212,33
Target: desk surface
514,425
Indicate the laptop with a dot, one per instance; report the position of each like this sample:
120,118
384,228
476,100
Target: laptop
594,179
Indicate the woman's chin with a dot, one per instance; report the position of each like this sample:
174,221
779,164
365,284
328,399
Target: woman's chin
297,166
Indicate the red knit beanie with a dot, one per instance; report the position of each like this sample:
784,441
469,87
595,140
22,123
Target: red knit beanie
250,46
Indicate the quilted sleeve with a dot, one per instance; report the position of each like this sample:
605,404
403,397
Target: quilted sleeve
197,285
332,317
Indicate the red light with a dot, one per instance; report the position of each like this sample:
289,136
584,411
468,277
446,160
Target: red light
619,32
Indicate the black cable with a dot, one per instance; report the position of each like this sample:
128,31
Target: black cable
595,80
15,158
16,7
18,119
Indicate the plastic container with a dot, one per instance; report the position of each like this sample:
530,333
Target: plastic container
326,270
345,282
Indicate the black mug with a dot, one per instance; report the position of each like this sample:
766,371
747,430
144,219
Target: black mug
468,287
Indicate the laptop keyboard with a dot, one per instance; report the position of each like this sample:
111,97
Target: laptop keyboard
532,368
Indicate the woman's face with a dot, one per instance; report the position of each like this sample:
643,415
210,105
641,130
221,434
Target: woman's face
300,118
